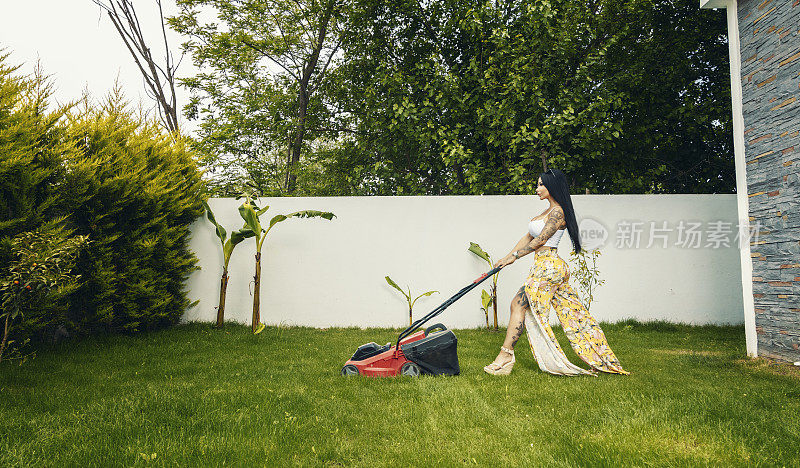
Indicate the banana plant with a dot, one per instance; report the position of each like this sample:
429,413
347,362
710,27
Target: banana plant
477,250
408,298
486,301
227,249
251,213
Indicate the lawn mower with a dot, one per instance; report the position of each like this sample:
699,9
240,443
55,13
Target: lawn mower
430,351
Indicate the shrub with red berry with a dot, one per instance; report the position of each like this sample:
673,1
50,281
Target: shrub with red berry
41,267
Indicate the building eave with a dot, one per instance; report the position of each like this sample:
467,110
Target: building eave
713,3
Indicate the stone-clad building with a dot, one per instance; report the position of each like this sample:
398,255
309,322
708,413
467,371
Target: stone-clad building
764,43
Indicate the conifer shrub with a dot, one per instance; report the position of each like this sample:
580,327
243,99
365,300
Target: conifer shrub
116,179
33,146
32,150
135,192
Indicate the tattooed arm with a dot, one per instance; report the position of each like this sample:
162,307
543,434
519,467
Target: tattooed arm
509,259
528,244
526,240
555,220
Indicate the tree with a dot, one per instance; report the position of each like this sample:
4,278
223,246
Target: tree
676,119
462,97
159,78
259,93
454,97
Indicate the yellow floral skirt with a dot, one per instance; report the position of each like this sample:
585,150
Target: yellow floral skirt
548,284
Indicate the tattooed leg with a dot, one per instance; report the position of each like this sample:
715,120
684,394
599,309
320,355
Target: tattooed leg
516,325
516,322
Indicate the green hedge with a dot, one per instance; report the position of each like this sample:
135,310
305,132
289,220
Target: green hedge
131,189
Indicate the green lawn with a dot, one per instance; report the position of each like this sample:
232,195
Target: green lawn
195,396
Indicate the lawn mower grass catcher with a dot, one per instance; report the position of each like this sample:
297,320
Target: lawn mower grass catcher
431,351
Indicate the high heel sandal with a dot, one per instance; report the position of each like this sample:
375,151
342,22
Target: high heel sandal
505,369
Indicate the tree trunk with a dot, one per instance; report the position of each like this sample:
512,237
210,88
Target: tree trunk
257,294
494,305
303,97
5,338
459,170
296,143
410,320
223,288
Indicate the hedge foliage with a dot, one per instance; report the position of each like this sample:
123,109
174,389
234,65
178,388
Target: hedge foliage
113,177
37,281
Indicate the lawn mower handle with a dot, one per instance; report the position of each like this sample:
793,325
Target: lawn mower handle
446,304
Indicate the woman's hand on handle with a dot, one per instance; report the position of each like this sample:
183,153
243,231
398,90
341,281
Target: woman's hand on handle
507,260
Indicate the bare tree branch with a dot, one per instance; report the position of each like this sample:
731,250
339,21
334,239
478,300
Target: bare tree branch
289,51
269,56
307,29
159,80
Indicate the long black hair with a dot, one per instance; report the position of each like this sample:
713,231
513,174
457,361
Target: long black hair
556,183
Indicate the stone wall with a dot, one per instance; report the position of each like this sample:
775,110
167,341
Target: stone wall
770,51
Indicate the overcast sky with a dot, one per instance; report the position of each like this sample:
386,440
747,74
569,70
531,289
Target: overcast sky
79,46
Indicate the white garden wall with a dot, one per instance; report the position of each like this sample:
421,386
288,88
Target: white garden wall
331,273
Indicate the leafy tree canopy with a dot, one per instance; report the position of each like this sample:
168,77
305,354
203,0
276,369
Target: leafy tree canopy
461,97
464,97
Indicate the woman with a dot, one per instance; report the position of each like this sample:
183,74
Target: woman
548,283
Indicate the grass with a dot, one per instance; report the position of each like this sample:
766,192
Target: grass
192,396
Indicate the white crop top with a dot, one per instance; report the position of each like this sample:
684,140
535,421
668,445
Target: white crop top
535,228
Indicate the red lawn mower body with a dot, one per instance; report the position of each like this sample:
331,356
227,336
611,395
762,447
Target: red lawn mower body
387,363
